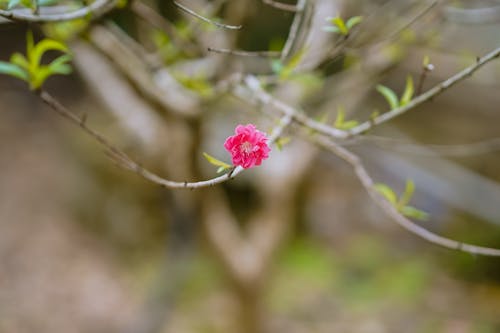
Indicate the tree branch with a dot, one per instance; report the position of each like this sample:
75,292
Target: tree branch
390,210
257,94
429,94
126,162
203,18
96,9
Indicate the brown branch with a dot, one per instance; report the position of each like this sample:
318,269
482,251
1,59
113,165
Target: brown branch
257,94
270,54
390,210
203,18
126,162
429,94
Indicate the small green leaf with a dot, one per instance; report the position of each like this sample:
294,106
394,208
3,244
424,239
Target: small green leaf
415,213
20,60
13,70
347,125
292,64
340,122
386,192
426,61
353,21
57,66
331,28
282,141
374,115
43,46
60,65
407,194
212,160
339,22
340,117
408,93
389,95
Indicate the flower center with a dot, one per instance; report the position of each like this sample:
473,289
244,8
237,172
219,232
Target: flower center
246,147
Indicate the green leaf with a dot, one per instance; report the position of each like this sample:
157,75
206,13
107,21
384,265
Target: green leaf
386,192
60,65
407,194
331,28
340,118
408,93
339,22
415,213
282,141
353,21
57,66
340,122
43,46
30,43
212,160
13,70
347,125
292,64
20,60
389,95
426,61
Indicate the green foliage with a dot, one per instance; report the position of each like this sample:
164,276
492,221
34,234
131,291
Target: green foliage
168,52
408,93
198,84
426,61
30,69
340,122
65,30
282,141
285,70
401,204
341,27
218,163
391,97
386,192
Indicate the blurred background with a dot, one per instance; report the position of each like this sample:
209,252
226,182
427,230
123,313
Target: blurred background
295,245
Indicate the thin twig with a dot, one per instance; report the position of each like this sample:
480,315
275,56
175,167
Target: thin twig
294,29
127,163
270,54
257,93
436,90
389,209
96,9
152,17
198,16
282,6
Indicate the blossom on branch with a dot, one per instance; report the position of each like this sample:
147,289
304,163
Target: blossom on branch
248,147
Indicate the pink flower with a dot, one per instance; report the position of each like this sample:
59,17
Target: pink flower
248,147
